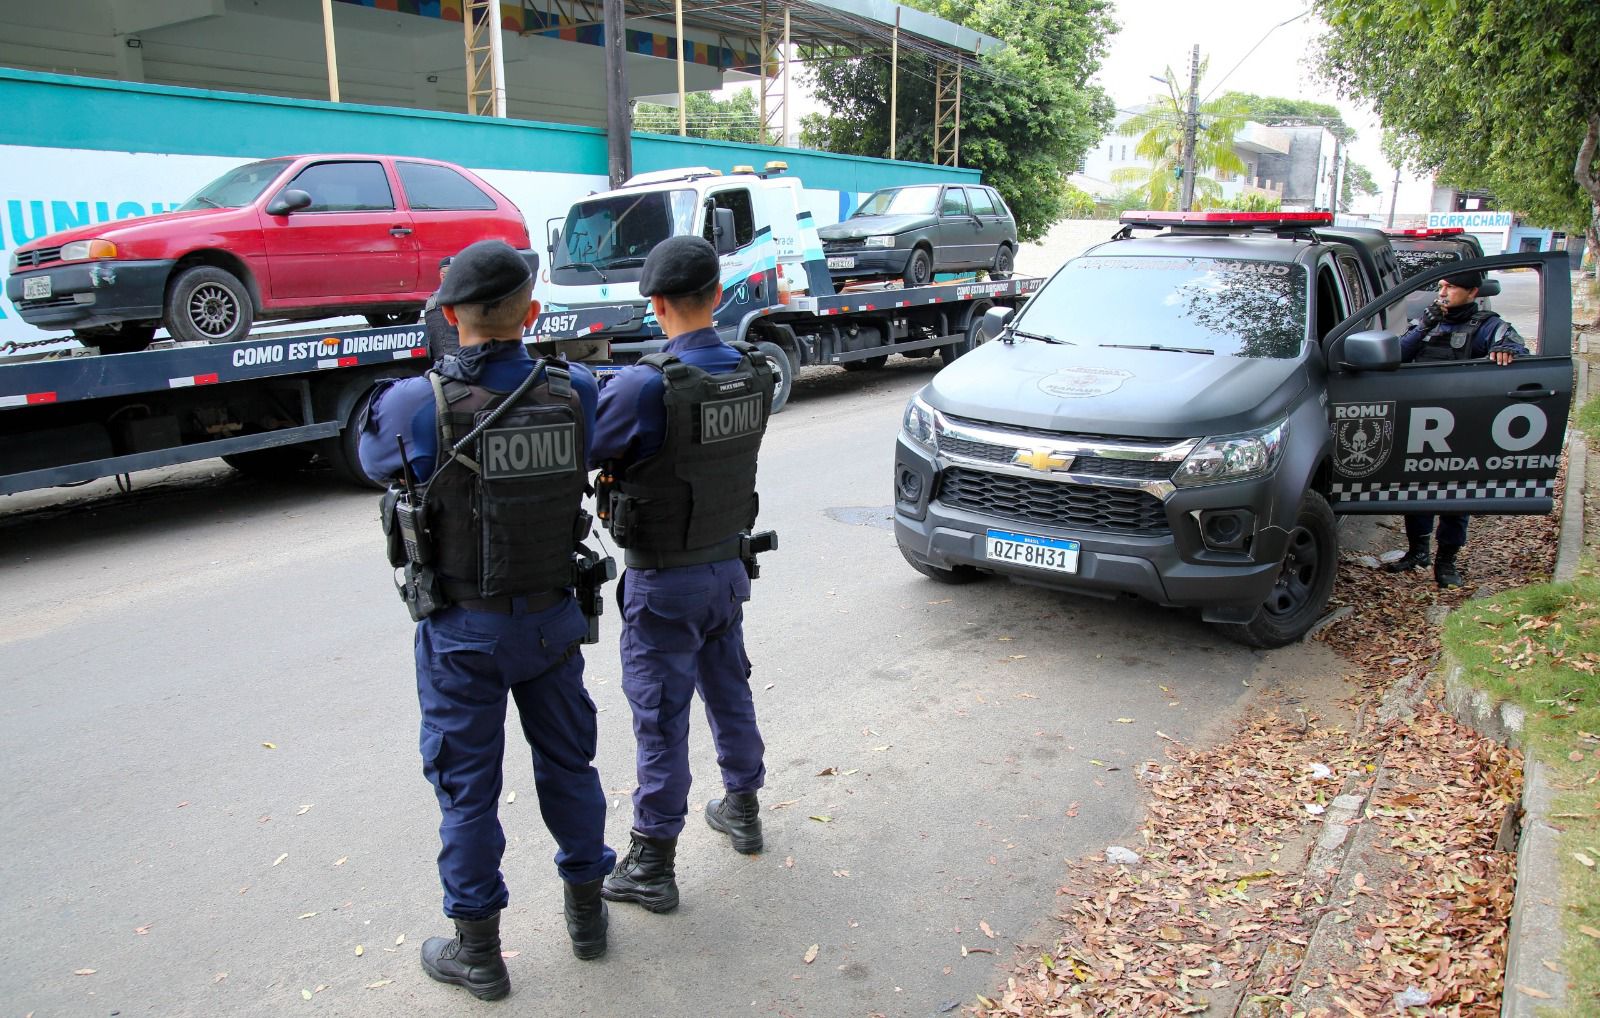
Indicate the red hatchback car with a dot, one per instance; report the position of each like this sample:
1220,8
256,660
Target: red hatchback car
297,237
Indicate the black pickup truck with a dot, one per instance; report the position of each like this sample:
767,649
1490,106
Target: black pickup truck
1179,414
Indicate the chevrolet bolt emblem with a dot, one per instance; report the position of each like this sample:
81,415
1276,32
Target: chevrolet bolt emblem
1042,459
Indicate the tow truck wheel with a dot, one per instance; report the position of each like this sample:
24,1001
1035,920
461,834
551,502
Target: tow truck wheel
955,575
1305,581
1004,263
206,304
272,464
782,371
972,339
866,364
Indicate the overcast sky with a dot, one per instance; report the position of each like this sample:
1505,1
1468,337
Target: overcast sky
1157,34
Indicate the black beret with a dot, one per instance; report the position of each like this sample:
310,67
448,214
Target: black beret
444,263
483,273
679,266
1468,280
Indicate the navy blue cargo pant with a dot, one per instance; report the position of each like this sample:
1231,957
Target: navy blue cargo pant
1452,528
467,663
682,633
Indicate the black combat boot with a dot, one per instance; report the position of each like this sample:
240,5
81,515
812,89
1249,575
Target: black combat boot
586,918
1416,556
646,876
472,959
1445,572
738,815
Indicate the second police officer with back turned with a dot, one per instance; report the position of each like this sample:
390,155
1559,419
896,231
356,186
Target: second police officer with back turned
486,522
676,440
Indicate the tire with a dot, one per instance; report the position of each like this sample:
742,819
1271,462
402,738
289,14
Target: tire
387,319
342,452
272,464
951,352
206,304
954,576
919,270
783,368
1305,581
1005,263
869,364
124,338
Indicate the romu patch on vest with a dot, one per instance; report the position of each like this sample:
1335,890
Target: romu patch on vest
529,451
725,419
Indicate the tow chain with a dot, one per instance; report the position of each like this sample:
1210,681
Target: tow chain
12,346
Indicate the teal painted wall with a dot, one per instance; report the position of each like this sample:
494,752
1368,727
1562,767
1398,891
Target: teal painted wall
62,111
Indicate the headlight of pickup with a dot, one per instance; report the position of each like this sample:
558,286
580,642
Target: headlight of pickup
917,424
1233,457
883,240
82,250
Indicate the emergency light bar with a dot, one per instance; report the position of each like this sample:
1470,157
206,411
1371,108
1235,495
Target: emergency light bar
1151,218
1433,231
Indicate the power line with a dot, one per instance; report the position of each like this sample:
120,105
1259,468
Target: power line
1252,49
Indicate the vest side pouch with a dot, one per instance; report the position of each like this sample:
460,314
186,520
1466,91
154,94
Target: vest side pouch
392,543
528,494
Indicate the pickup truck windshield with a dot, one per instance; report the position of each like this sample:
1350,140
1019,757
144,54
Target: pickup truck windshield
621,229
1416,262
236,188
1235,307
899,201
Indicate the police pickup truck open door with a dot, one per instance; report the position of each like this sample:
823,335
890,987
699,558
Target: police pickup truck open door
1462,435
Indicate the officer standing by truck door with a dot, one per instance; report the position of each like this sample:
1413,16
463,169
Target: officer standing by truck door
676,441
487,524
1452,328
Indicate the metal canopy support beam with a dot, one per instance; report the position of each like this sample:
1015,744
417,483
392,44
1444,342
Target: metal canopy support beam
774,71
486,64
329,48
683,100
947,115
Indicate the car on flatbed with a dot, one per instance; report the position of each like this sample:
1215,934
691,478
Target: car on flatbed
1180,413
915,231
289,238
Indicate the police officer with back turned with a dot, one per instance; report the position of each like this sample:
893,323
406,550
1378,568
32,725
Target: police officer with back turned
676,441
486,522
1452,328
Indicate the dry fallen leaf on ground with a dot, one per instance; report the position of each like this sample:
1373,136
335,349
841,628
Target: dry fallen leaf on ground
269,745
280,858
811,954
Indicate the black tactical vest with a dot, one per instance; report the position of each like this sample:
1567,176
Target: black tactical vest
505,515
1448,342
689,501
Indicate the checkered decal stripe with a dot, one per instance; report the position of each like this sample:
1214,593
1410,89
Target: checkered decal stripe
1464,490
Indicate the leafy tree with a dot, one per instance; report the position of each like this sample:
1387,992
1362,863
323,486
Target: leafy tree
1249,203
736,118
1028,112
1277,111
1503,97
1160,128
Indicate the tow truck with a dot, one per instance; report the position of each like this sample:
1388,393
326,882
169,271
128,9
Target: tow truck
275,402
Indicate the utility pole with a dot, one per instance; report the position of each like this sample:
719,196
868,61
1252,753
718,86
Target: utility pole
1191,128
1394,196
619,119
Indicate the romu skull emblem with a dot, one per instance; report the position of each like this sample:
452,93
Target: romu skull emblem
1359,447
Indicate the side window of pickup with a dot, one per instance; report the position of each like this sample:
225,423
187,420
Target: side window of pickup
1355,284
1331,309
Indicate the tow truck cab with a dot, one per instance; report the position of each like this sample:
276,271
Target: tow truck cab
764,235
1179,416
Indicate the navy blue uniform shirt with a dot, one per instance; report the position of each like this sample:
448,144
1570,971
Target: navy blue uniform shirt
631,422
405,406
1482,342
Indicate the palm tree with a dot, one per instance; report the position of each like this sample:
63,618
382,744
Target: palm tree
1159,128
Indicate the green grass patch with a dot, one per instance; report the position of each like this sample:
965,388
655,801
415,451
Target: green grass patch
1588,419
1539,647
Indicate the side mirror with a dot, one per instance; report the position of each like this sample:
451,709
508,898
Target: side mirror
1490,288
722,229
994,321
1371,351
292,200
555,242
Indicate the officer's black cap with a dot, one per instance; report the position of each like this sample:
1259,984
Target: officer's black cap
483,273
1469,280
444,263
679,266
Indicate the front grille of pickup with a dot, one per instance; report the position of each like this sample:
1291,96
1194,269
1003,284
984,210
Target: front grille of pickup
1100,466
38,256
1071,506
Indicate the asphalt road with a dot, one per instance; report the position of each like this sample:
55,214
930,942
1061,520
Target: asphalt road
161,859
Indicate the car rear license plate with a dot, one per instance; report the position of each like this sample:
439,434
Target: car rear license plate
36,288
842,262
1028,550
